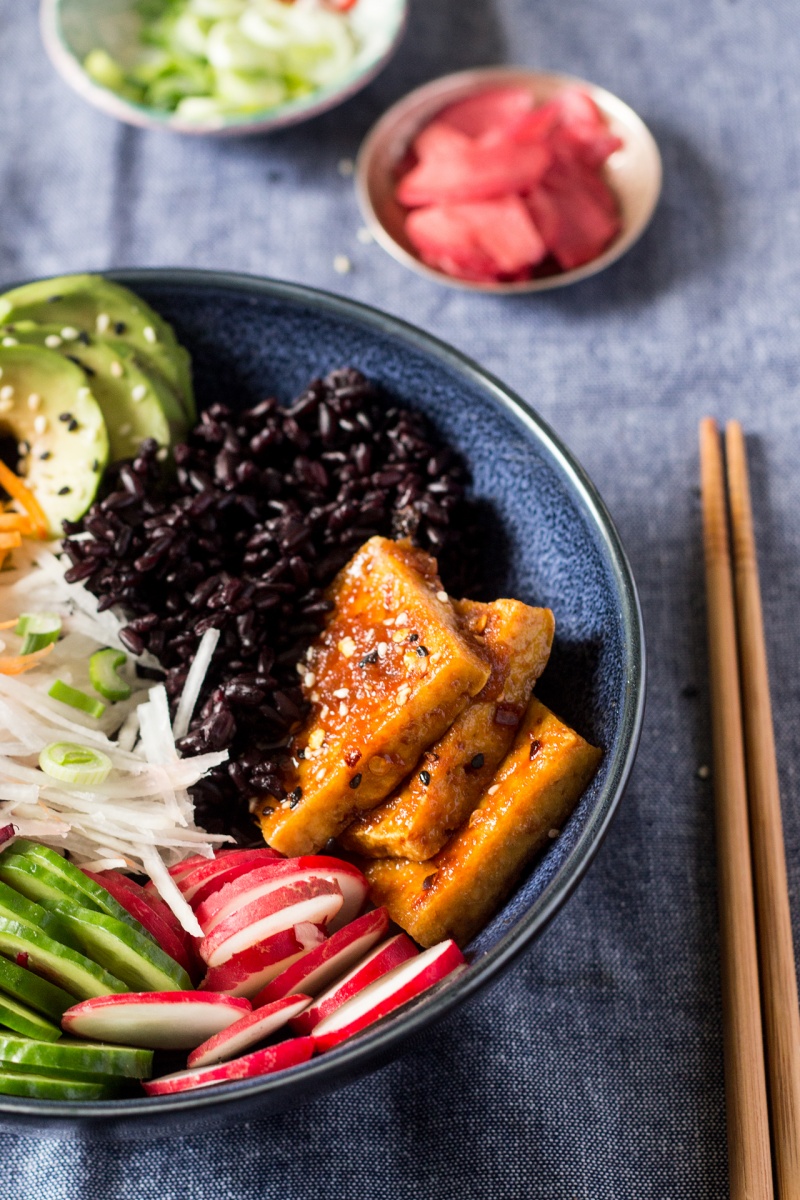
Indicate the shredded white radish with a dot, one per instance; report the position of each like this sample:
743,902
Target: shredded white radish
142,818
194,683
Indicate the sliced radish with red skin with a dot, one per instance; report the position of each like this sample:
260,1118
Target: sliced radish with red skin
208,877
266,878
154,1020
322,964
384,958
315,901
253,1028
145,914
386,994
260,1062
250,970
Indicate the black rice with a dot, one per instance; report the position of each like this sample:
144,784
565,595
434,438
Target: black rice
243,534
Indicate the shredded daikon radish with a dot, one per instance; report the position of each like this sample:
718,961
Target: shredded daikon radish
169,892
194,683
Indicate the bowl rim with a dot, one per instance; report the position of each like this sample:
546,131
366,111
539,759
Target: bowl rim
366,1052
476,79
265,120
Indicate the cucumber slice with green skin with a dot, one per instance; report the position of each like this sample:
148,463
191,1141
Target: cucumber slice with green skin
62,440
93,305
54,1087
65,877
22,985
24,1020
17,907
135,399
133,957
77,1057
68,968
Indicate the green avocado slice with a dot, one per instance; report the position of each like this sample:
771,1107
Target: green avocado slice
54,1087
135,403
24,1020
133,957
85,1058
72,971
48,408
22,985
59,879
94,305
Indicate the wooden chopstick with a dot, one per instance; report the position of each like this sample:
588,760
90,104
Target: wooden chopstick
776,949
749,1157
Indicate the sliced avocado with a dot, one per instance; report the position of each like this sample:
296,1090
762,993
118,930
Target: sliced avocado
21,984
133,957
50,411
53,1087
68,968
86,1058
94,305
24,1020
136,403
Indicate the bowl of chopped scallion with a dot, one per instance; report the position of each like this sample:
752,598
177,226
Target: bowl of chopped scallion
220,66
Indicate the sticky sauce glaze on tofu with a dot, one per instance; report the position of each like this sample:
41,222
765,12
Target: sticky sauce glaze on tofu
387,677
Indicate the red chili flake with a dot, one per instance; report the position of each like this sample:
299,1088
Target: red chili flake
22,958
536,746
351,757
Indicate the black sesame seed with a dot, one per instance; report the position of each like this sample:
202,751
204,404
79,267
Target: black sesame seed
54,299
536,746
45,455
120,328
477,762
422,651
95,465
301,753
369,659
72,426
65,416
413,637
355,782
65,490
428,881
425,778
83,338
295,797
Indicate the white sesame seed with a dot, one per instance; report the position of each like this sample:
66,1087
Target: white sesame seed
342,693
139,392
10,341
22,449
309,679
364,235
162,454
323,712
34,401
402,619
316,738
69,334
342,264
382,647
403,693
103,322
443,596
347,647
149,334
553,833
53,341
7,392
494,788
319,774
388,621
299,667
124,430
40,424
116,369
309,653
343,709
345,166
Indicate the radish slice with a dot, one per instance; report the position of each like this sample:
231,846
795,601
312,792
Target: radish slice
386,994
139,907
154,1020
208,877
386,957
322,964
248,1032
315,901
220,904
250,970
260,1062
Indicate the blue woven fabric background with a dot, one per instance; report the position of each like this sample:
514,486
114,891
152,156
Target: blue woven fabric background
593,1070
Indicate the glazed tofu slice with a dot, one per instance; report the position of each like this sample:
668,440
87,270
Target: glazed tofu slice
450,777
388,675
536,788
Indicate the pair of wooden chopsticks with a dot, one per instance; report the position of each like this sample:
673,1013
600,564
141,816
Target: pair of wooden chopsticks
758,967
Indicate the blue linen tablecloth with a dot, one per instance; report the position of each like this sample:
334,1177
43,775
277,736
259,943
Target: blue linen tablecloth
593,1070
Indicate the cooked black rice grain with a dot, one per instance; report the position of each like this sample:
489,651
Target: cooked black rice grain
243,535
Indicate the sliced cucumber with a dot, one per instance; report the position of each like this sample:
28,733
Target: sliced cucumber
133,957
85,1058
54,1087
24,1020
67,879
23,985
68,968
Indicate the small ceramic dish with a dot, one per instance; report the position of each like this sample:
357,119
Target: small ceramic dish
633,172
553,543
73,28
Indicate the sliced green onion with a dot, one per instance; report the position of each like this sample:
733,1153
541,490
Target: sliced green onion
103,668
38,630
70,762
76,698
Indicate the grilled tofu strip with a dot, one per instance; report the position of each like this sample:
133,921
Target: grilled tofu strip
388,675
450,777
535,790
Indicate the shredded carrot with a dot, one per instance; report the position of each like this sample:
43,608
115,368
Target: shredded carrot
17,489
9,541
16,664
11,522
9,624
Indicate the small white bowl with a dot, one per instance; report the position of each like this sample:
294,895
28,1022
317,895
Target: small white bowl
71,28
633,172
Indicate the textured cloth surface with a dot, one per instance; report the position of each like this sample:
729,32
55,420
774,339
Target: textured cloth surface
593,1070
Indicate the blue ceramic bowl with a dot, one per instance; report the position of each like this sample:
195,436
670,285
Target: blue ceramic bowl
555,545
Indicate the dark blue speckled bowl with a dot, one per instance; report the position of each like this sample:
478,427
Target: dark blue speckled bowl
251,337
